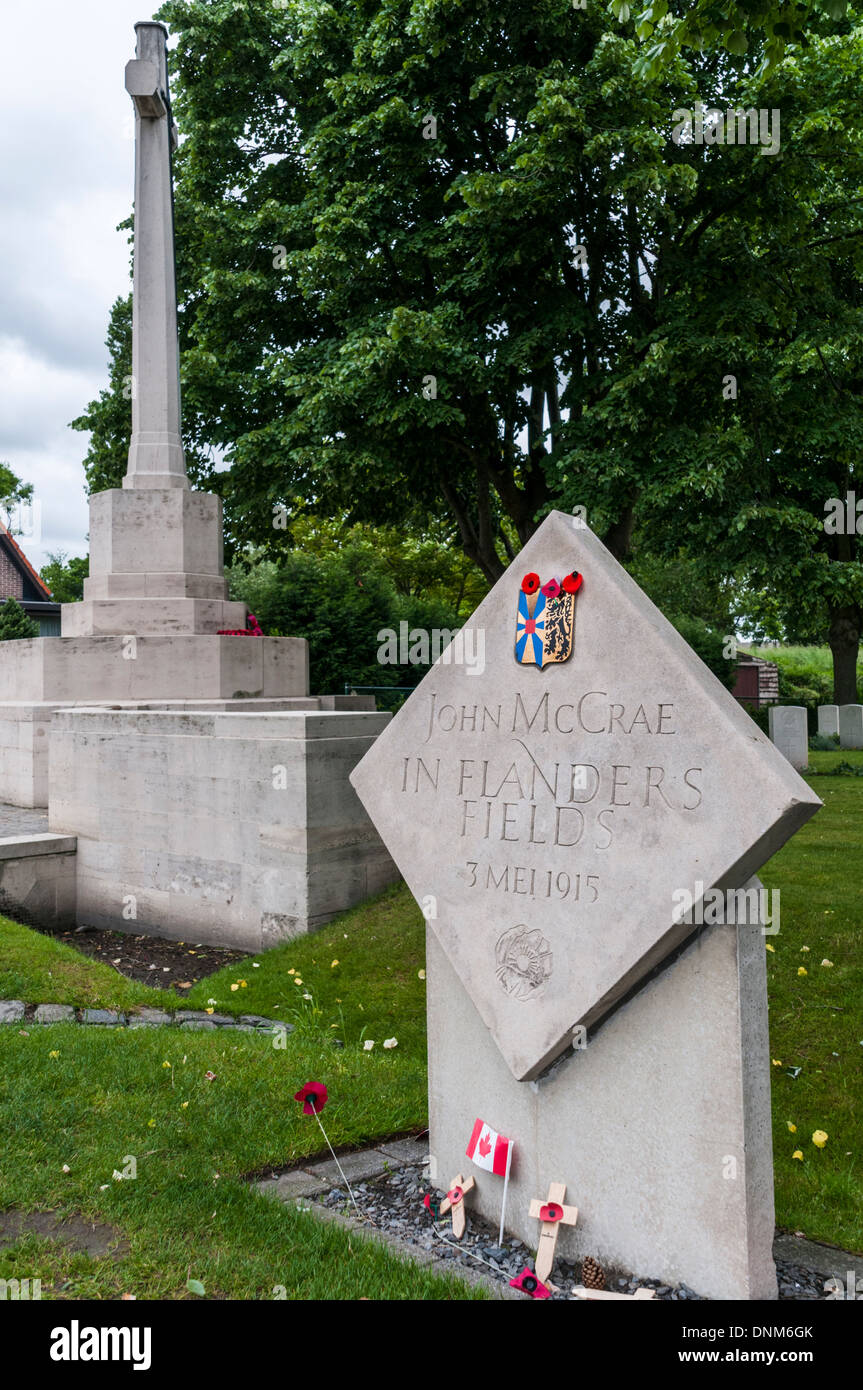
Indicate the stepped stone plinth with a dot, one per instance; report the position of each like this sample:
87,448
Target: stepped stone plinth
155,566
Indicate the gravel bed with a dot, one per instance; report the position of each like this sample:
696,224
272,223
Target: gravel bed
394,1205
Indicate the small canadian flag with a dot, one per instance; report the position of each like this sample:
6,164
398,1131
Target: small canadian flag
490,1150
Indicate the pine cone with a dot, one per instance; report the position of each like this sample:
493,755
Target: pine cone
592,1273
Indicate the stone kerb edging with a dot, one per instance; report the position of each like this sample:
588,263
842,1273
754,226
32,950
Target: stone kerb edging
17,1011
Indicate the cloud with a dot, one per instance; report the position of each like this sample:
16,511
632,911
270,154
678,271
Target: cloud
67,155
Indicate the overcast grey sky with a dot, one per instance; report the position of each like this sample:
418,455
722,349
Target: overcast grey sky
66,180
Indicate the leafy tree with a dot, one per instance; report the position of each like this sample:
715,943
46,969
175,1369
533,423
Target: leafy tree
12,490
776,302
741,26
392,326
427,566
680,584
65,580
575,283
706,643
110,416
339,600
14,623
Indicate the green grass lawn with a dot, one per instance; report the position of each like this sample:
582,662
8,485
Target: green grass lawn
41,970
108,1093
797,660
816,1019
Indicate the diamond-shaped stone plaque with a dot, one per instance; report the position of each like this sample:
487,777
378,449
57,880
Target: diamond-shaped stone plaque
545,815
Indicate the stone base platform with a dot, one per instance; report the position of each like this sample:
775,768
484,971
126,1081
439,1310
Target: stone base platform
37,878
25,728
233,828
203,666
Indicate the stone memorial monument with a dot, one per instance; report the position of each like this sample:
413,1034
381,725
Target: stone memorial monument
562,820
200,778
789,730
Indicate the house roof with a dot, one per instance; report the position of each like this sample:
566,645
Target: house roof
19,559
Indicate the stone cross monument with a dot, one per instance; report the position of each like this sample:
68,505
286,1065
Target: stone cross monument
156,452
563,818
200,782
156,561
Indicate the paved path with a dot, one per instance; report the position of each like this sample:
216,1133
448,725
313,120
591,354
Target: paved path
19,820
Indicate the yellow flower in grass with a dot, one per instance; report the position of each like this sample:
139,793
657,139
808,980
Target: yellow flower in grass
166,1064
53,1054
297,980
827,964
792,1128
804,948
234,988
334,964
767,945
819,1138
798,1153
208,1011
292,972
801,970
776,1062
421,974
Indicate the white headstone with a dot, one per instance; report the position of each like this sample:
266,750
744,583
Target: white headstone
851,726
828,720
550,816
789,731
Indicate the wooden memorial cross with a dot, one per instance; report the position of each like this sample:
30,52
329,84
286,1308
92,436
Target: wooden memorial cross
454,1201
552,1212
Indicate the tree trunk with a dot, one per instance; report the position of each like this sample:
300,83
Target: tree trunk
618,538
844,644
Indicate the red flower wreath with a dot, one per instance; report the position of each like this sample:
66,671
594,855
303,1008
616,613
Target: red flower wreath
530,583
314,1097
573,582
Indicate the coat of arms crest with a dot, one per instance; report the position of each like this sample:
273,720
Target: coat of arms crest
545,626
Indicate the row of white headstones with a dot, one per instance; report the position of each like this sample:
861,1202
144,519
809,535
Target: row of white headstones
789,728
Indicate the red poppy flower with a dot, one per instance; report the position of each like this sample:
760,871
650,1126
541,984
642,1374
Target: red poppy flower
573,582
551,589
528,1283
314,1097
530,583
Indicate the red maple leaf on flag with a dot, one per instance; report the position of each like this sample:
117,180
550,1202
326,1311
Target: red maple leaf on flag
485,1146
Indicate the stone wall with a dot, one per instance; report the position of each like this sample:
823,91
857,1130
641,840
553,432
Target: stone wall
234,829
37,879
